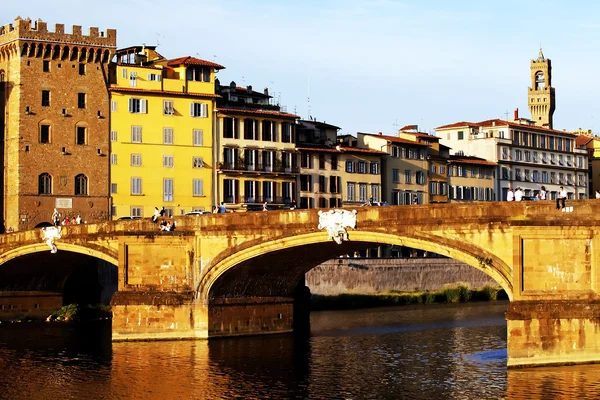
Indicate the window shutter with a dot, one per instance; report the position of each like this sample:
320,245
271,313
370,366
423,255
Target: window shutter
113,106
131,101
124,73
143,106
204,110
192,109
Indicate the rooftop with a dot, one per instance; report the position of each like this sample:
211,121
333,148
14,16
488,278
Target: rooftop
189,60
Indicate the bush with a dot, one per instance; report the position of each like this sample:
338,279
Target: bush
451,294
76,312
464,291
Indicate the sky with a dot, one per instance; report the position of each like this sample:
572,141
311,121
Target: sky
368,65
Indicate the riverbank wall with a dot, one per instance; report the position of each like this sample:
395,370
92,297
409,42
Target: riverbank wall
376,275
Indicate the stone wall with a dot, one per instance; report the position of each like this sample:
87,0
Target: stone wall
357,275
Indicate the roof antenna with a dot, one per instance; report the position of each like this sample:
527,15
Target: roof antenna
308,98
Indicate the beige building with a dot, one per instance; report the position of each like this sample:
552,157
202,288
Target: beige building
255,148
470,179
54,122
320,179
405,166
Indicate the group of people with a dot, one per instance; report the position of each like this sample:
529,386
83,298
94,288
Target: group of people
65,221
561,197
164,224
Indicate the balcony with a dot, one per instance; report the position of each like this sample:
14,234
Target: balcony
259,168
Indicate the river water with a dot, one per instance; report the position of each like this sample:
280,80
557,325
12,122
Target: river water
420,352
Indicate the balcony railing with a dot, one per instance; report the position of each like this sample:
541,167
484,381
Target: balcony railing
237,166
257,199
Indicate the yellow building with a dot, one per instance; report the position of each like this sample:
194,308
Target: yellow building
405,167
161,139
470,179
255,150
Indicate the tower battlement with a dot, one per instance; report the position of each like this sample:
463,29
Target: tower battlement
26,29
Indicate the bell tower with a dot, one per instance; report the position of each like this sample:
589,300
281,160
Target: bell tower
541,99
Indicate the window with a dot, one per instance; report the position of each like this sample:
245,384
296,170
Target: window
432,168
80,100
334,162
350,191
113,159
349,166
136,134
334,184
374,168
322,184
124,73
197,162
168,189
168,108
113,136
420,178
133,79
305,183
136,211
518,155
286,132
432,188
395,151
527,156
154,77
396,175
407,178
167,135
545,177
136,160
46,66
199,110
536,176
113,188
136,186
198,137
198,187
81,135
113,106
168,161
461,135
81,185
45,98
362,192
138,106
81,69
518,174
362,168
45,183
321,161
505,155
44,133
198,73
442,170
375,192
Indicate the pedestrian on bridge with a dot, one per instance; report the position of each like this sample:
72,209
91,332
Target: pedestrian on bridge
518,194
562,197
155,215
510,196
598,194
542,193
56,217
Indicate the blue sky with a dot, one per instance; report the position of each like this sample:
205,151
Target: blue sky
369,65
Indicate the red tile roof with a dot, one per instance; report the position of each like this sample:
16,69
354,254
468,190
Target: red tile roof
499,122
409,128
188,60
339,149
582,140
257,112
169,92
469,160
395,139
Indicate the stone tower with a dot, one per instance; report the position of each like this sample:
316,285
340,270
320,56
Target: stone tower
541,99
54,127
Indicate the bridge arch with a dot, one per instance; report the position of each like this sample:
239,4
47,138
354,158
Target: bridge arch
107,256
474,256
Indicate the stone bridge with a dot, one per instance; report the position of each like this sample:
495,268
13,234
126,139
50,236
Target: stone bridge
243,273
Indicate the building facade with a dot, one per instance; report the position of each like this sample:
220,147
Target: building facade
320,180
470,179
161,133
405,167
54,120
255,150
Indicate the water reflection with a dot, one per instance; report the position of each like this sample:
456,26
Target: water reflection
418,353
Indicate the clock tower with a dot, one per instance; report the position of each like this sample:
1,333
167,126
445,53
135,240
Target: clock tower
541,99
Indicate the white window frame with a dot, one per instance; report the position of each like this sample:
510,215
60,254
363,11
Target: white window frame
113,106
198,187
168,107
113,136
168,136
136,186
133,79
136,211
168,186
168,161
136,134
136,160
199,110
154,77
197,162
138,106
124,73
113,159
198,137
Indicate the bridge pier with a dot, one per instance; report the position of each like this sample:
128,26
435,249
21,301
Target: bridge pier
553,332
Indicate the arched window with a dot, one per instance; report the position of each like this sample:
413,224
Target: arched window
81,185
540,81
45,183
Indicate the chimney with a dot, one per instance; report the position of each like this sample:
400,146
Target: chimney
516,114
380,134
267,91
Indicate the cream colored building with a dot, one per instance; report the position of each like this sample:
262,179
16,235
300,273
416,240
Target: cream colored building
255,150
470,179
405,167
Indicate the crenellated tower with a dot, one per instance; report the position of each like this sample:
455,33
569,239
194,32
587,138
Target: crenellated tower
541,100
54,123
